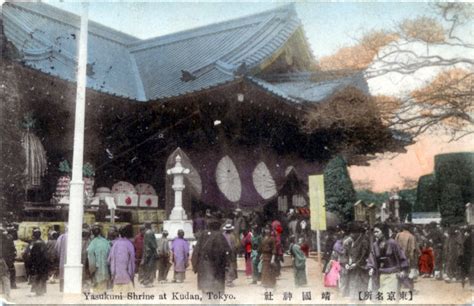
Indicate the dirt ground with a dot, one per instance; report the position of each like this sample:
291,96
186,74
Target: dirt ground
430,291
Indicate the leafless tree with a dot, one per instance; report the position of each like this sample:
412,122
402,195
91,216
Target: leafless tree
439,51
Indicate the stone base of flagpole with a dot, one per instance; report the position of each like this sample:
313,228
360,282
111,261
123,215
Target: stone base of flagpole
73,274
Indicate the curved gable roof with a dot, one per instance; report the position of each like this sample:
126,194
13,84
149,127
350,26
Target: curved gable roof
152,69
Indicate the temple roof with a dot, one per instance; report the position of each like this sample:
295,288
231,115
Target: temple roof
151,69
310,87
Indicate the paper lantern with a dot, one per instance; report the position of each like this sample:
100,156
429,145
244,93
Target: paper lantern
123,187
145,189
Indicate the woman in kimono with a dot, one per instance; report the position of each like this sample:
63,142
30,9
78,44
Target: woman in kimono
97,256
247,246
299,262
426,260
180,252
387,262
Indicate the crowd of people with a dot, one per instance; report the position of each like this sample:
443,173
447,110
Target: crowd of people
115,259
261,243
390,257
357,257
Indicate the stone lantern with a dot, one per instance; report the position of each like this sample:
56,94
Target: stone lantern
178,218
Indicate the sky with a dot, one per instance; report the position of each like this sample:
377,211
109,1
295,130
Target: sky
328,26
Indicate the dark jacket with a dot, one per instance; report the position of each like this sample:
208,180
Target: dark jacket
210,257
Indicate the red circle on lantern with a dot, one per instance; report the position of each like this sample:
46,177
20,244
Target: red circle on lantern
148,202
128,201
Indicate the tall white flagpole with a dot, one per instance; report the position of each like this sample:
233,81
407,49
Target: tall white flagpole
73,266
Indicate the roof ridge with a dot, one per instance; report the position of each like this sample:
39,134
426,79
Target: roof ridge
71,19
209,28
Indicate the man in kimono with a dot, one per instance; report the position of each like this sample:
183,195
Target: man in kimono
53,259
9,251
436,238
407,242
86,239
357,275
97,255
149,257
122,261
180,252
454,250
210,257
4,273
299,262
268,251
61,247
387,262
163,257
38,262
138,244
232,241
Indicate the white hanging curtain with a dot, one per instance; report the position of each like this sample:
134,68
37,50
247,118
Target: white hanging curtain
35,154
263,181
228,179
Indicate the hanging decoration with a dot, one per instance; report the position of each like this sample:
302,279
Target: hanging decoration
35,154
263,181
88,173
228,179
64,181
62,187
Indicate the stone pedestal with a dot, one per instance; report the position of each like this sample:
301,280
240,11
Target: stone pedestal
172,226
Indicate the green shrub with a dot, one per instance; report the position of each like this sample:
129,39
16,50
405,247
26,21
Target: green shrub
456,168
451,205
340,193
427,194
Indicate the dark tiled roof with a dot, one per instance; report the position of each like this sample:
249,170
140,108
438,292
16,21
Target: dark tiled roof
151,69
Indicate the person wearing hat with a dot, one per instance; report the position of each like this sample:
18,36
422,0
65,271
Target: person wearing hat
180,256
210,258
38,259
97,255
122,261
231,269
163,250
